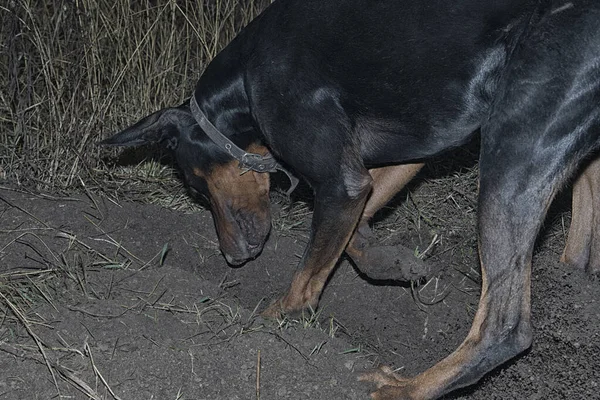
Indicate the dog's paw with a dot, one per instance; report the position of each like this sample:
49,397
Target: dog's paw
390,385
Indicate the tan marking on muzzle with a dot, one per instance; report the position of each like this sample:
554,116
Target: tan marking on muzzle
233,191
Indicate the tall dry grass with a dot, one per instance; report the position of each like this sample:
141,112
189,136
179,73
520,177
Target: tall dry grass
72,70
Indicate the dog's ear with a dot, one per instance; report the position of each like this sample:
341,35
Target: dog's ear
164,126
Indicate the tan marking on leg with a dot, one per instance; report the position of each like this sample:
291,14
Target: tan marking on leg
583,241
325,248
308,283
442,377
387,182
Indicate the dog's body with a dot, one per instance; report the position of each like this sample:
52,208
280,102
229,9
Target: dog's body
347,92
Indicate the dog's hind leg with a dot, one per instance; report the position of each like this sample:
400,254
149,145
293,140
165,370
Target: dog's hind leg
372,259
540,128
583,242
517,185
512,205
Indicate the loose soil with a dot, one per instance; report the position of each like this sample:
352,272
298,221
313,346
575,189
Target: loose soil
163,316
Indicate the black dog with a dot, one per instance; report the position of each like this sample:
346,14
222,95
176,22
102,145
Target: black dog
333,88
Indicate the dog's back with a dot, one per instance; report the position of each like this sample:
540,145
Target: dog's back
412,79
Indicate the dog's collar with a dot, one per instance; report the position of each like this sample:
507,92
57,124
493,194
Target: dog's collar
248,161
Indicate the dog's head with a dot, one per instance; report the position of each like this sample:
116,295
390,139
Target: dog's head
239,201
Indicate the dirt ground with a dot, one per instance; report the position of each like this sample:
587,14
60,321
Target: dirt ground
139,304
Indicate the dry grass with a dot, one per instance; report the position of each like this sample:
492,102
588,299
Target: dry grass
63,262
74,71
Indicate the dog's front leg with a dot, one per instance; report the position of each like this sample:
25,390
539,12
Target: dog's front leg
337,209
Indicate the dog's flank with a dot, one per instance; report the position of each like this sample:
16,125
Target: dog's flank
354,95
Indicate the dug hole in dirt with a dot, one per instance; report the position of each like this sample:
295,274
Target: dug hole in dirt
139,304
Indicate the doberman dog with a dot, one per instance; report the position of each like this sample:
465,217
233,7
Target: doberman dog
354,95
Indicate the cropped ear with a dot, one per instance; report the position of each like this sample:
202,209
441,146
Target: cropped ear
164,126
